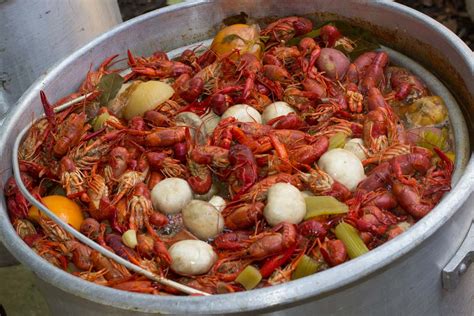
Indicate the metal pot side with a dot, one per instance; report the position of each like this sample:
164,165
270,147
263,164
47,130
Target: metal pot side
401,277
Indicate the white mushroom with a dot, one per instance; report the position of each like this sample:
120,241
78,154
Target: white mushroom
343,166
243,113
218,202
191,257
356,146
285,203
276,109
171,195
202,219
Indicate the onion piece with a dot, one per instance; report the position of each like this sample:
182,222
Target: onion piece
356,146
243,113
275,110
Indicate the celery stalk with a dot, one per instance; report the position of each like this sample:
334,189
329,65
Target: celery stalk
250,277
306,266
351,239
324,205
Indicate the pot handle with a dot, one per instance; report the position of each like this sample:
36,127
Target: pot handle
461,261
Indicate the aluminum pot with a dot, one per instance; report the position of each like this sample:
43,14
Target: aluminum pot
403,276
36,34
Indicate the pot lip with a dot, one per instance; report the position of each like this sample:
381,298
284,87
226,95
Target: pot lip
284,294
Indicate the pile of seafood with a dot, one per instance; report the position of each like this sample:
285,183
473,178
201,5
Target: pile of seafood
277,152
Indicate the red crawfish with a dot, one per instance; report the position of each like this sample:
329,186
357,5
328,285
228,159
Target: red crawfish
243,215
248,68
71,177
69,133
17,204
161,137
190,89
334,252
243,169
258,191
200,178
214,156
280,238
232,240
114,270
169,167
321,183
375,72
156,66
289,121
286,28
419,199
405,85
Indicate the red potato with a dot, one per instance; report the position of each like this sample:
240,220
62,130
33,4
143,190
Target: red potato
333,62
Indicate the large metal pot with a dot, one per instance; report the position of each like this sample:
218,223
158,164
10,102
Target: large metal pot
403,276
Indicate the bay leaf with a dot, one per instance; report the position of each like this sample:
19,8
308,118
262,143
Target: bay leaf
109,86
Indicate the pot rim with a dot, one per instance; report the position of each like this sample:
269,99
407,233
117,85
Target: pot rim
322,283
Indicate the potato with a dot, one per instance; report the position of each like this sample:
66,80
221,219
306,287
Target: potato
191,257
170,195
276,109
202,219
285,203
343,166
243,113
147,96
333,62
